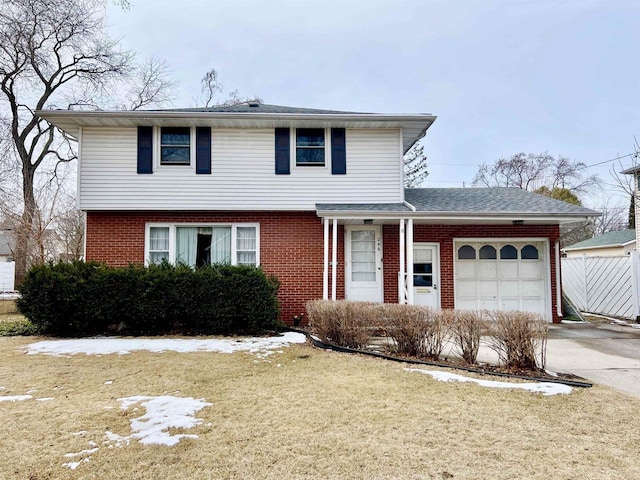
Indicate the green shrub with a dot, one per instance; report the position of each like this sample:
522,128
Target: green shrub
17,328
80,299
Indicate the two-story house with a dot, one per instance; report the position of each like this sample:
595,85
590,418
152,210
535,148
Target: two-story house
316,198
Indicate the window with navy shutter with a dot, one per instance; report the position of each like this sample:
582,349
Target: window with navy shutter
203,150
282,151
338,152
145,149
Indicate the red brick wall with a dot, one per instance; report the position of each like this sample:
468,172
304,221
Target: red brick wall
291,246
444,235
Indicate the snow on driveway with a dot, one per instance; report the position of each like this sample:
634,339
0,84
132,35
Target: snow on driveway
545,388
261,346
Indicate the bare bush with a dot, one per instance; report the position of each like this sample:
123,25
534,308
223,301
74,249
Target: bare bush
466,328
342,322
519,339
415,330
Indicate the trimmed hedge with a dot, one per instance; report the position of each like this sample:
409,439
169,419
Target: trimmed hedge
82,299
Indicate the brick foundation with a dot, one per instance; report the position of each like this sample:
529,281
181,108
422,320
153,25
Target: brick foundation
291,248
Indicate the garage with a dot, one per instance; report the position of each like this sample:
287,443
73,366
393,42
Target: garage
505,274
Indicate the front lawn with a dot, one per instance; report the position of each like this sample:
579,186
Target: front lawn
300,413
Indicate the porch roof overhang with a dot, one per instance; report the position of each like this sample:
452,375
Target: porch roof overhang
450,206
382,216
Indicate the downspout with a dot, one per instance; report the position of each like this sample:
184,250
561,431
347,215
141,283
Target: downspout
558,281
557,255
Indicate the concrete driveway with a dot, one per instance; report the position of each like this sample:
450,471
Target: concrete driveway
603,353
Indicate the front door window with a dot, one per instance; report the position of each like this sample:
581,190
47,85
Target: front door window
363,256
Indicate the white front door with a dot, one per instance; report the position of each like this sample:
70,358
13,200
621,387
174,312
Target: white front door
363,269
426,274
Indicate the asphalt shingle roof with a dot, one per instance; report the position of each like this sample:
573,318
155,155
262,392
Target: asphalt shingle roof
618,238
259,108
489,200
6,243
471,201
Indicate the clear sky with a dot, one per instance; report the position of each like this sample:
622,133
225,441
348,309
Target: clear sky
502,76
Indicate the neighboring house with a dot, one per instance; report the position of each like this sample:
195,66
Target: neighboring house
610,244
316,198
6,246
635,171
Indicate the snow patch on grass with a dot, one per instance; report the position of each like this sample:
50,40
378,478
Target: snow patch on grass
545,388
15,398
260,346
163,413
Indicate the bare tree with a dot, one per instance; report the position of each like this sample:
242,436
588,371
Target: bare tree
534,171
54,51
625,184
415,166
211,88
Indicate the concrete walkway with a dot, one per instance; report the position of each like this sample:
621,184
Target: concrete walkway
600,352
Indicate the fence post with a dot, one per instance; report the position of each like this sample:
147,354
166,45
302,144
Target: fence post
635,282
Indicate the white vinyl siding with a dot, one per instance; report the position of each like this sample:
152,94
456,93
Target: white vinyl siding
243,174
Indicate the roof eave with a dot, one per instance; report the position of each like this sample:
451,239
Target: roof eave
415,125
597,247
489,216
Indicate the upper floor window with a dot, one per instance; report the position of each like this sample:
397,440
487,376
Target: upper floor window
310,146
175,146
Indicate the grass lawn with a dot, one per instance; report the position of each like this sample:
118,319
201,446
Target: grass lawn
303,413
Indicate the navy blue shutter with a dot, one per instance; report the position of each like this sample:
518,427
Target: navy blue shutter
145,149
203,150
338,152
282,151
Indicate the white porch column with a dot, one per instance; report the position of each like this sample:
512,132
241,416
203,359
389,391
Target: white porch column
410,261
325,272
401,297
334,259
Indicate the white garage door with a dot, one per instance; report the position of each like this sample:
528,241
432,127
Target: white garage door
501,275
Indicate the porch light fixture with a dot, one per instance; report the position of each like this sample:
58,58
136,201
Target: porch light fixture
518,222
368,221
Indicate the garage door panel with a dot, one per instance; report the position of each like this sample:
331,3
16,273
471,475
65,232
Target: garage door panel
532,288
466,270
467,304
508,270
486,304
536,306
487,289
509,289
504,283
513,304
487,270
529,269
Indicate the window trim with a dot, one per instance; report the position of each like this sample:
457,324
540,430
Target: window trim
157,141
172,237
311,166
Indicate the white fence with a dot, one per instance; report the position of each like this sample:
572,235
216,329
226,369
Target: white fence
604,285
7,275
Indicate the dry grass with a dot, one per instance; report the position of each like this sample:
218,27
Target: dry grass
9,312
306,414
